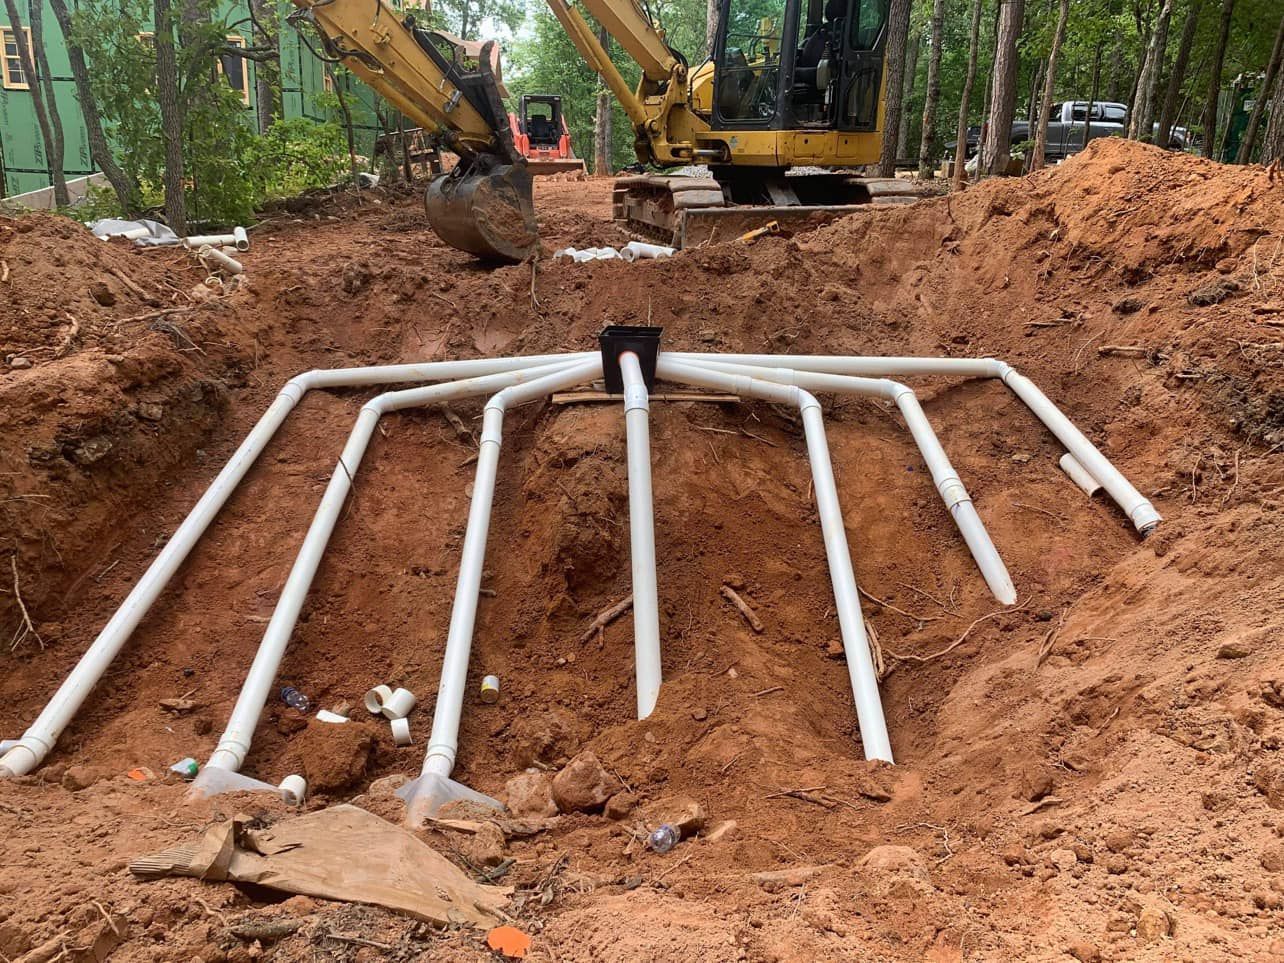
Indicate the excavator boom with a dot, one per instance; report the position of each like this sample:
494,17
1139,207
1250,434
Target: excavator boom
484,206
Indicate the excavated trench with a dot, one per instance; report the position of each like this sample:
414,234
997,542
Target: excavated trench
1100,716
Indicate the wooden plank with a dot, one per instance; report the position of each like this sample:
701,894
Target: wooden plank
598,397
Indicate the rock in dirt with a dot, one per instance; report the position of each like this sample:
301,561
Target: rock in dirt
681,812
77,778
583,785
773,881
896,859
620,805
725,831
1269,780
485,847
1234,650
1084,952
1273,692
530,795
332,758
1153,923
386,787
1063,859
19,364
1272,859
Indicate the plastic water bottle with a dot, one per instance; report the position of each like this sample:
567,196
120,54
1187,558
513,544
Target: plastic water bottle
295,699
663,838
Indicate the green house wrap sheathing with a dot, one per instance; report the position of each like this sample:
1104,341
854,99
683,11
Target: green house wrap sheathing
24,165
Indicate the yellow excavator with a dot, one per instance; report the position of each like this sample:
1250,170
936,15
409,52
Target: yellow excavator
793,89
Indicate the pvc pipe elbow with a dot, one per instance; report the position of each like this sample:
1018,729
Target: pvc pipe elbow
23,758
805,399
299,385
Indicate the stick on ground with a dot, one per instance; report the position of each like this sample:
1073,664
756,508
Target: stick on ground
750,616
606,617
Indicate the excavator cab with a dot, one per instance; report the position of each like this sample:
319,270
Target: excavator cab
788,65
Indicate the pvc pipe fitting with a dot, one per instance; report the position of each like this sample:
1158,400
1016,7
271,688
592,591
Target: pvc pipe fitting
228,264
376,698
1079,475
325,715
240,239
237,239
490,689
636,250
294,789
401,731
398,704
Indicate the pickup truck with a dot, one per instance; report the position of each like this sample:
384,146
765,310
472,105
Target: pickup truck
1065,129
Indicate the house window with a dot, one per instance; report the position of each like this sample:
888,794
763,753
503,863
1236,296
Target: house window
11,62
234,69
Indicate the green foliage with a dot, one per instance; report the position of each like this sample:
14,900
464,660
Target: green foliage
98,202
295,155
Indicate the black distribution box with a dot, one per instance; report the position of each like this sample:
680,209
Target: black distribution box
618,338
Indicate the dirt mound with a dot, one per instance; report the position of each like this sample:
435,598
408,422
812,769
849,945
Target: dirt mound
1092,771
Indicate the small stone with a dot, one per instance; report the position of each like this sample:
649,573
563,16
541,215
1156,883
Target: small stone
150,411
1128,305
92,450
1116,865
531,795
77,778
18,364
735,581
1153,923
896,859
1084,952
1014,855
486,846
385,787
1036,783
102,294
699,715
1119,840
681,812
649,737
583,785
620,805
725,831
1021,457
834,649
1272,859
1063,859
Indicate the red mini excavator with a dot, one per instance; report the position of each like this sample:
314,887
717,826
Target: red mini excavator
541,136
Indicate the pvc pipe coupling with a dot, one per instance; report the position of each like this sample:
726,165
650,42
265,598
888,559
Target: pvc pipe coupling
636,250
390,703
294,790
401,731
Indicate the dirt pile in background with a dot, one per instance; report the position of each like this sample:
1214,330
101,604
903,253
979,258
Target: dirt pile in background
1093,773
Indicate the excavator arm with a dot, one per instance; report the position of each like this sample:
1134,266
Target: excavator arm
484,206
450,87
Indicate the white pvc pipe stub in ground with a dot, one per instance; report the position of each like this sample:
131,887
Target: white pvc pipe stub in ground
401,731
376,698
1079,475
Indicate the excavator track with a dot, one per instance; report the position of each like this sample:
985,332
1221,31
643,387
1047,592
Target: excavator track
686,212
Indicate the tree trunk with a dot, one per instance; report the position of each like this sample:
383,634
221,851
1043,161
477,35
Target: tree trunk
34,83
960,141
99,150
1036,94
1273,142
1133,91
1168,114
1049,81
1092,95
927,144
1215,78
602,121
171,115
352,143
911,78
1142,122
894,65
267,72
1003,104
57,150
1255,118
710,26
989,91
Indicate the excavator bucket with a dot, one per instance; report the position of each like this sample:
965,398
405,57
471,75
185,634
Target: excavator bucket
491,215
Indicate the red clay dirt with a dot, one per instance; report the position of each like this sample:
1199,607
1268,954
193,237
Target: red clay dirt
1095,773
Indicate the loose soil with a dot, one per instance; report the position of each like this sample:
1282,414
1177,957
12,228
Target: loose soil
1095,773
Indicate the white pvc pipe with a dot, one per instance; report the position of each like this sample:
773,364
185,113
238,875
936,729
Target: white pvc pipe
37,742
434,787
198,241
1138,509
234,744
636,250
227,263
860,664
646,604
1135,505
1079,475
946,479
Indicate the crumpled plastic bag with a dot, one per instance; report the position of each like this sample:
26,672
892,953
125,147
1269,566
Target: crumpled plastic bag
157,233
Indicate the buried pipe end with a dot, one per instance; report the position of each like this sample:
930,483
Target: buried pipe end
1145,518
23,757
